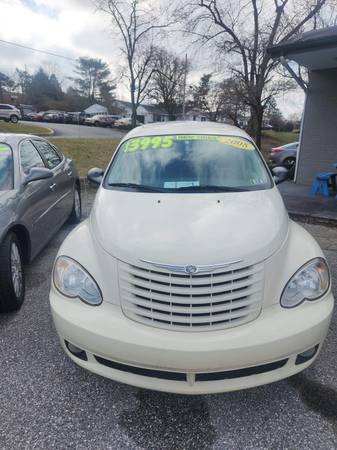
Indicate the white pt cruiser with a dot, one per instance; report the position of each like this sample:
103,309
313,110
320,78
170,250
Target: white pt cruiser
188,276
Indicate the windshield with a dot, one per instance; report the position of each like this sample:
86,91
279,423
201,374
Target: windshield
188,163
6,168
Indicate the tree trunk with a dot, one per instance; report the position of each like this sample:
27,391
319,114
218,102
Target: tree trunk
133,105
134,116
255,124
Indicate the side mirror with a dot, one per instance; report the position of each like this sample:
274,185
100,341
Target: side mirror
37,173
95,175
280,174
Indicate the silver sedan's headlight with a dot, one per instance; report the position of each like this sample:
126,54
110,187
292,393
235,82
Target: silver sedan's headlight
310,282
72,280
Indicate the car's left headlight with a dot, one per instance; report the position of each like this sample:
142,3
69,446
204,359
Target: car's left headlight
73,281
310,282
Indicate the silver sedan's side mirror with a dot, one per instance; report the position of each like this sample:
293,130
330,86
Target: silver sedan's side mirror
37,173
280,174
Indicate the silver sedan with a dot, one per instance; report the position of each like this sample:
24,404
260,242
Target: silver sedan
286,154
39,191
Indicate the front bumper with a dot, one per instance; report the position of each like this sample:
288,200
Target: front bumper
105,334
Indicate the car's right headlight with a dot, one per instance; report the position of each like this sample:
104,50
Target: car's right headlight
310,282
73,281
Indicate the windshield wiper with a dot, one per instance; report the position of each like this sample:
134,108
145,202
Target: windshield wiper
212,188
138,187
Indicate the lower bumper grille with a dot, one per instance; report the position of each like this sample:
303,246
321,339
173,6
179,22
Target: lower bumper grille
199,377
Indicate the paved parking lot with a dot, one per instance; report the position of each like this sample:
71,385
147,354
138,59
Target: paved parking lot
47,402
67,130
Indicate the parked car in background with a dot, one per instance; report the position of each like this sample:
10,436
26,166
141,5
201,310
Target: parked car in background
38,117
125,122
51,117
26,110
189,277
39,191
29,116
77,117
54,116
95,120
108,120
285,154
9,113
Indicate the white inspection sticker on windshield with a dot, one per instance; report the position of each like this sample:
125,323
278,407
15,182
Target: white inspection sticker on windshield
179,184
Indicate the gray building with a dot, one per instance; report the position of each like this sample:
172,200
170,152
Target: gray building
317,51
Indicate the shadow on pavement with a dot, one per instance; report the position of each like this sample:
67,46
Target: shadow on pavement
169,421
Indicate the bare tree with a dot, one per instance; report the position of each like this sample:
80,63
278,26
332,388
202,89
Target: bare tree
243,30
219,99
137,22
167,83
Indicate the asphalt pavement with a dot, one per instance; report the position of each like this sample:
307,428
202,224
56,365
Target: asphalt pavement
66,130
47,402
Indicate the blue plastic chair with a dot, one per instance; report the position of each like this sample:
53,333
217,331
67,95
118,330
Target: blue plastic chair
321,185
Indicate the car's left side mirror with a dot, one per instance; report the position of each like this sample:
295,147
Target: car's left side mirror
37,173
95,175
280,174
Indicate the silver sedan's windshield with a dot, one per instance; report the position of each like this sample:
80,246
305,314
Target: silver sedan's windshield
6,168
188,163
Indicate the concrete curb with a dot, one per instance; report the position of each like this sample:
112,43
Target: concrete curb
51,132
313,220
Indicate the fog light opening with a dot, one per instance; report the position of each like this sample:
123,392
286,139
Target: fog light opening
307,355
76,351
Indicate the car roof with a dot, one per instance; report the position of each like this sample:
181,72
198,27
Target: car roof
187,127
13,139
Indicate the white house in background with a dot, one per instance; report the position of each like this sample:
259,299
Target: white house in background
96,109
196,115
145,113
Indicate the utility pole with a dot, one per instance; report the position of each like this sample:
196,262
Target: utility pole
184,91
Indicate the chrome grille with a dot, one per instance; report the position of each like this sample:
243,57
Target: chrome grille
217,300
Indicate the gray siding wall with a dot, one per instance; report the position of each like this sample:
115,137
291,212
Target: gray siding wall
319,130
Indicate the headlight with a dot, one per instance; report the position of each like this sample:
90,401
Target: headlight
72,280
310,282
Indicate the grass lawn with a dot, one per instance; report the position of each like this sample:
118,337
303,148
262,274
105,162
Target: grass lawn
6,127
87,153
272,139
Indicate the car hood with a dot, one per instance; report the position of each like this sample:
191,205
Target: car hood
189,228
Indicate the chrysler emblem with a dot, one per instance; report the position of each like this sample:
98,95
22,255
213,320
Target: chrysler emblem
191,270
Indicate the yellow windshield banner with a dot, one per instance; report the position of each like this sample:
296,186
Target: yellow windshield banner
240,143
159,142
196,137
236,142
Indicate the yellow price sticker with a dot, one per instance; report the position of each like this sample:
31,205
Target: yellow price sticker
4,148
147,143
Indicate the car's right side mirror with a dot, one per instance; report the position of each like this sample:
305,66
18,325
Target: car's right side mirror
280,174
95,175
